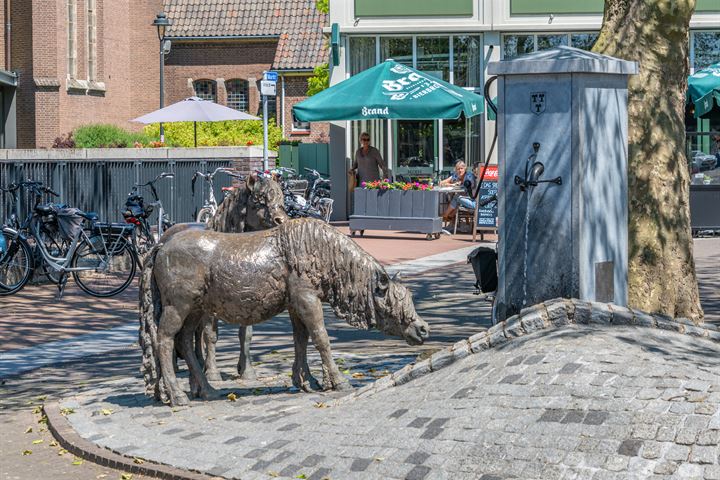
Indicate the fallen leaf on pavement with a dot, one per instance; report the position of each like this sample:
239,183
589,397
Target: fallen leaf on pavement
67,411
321,405
53,443
138,460
36,410
358,375
232,397
29,430
62,451
27,452
126,476
77,461
36,442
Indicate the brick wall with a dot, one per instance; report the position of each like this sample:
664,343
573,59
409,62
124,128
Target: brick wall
220,62
127,64
295,91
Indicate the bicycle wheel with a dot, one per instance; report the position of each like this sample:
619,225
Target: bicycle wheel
109,273
15,263
204,215
57,247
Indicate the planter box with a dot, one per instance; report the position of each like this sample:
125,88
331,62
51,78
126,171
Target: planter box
413,211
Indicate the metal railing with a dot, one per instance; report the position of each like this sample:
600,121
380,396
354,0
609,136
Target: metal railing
102,186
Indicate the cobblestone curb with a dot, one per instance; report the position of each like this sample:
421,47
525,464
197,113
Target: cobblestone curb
551,314
78,446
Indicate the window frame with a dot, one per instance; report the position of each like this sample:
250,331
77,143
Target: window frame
91,39
72,39
245,92
213,83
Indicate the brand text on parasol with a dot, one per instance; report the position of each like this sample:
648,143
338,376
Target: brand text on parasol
374,111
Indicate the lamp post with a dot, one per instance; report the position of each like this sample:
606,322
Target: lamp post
161,22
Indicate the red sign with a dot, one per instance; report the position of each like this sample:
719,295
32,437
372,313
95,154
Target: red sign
491,174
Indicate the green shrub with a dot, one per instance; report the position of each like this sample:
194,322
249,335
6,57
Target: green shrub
213,134
107,136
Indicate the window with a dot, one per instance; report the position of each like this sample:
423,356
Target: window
362,54
467,66
206,89
520,44
72,38
433,56
237,95
399,49
706,49
584,41
91,40
299,126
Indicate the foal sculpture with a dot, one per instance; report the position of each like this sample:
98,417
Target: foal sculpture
258,205
247,279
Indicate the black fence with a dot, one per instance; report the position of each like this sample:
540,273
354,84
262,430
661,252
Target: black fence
103,186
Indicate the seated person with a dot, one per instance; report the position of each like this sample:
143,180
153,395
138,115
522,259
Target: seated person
460,178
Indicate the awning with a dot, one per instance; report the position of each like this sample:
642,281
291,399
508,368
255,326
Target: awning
704,89
390,91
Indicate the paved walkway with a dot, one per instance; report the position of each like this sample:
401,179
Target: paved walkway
442,297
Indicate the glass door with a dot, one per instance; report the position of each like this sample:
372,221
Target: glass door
415,149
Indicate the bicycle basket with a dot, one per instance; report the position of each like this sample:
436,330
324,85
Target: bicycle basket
69,222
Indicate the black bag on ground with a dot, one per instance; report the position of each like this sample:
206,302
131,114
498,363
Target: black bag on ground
484,265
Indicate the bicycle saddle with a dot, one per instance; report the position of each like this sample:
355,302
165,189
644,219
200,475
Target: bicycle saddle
46,209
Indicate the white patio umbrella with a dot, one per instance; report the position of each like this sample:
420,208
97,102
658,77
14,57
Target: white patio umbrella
194,109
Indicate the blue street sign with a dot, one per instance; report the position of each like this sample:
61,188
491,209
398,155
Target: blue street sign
271,76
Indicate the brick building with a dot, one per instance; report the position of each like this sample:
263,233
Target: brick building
220,49
65,63
70,62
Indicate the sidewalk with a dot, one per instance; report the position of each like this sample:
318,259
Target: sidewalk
35,315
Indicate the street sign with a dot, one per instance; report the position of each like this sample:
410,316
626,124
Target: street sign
270,76
268,88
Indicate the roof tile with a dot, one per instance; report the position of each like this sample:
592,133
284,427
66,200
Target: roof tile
297,23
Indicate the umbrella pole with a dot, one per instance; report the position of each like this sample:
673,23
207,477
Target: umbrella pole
195,132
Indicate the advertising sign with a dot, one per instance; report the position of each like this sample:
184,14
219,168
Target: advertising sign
487,215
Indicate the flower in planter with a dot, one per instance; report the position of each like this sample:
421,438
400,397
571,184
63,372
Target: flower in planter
387,185
249,143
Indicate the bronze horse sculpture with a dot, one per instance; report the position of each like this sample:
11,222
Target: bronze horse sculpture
258,205
247,279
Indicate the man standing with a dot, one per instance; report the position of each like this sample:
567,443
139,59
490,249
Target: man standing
368,161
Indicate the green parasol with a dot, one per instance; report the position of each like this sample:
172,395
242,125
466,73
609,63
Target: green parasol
704,89
390,90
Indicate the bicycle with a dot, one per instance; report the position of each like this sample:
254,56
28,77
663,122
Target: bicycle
137,213
315,203
49,233
318,195
210,206
100,259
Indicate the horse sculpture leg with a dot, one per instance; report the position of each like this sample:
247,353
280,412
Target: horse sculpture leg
210,336
244,367
199,386
301,376
170,324
308,308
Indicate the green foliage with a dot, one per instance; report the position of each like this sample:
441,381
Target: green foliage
323,6
107,136
319,81
212,134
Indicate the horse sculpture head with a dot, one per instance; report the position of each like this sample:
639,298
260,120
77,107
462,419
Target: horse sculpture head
258,205
266,206
394,310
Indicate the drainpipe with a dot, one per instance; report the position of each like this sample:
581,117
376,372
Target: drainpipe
8,35
282,105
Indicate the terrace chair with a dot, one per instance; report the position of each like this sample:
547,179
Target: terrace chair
465,214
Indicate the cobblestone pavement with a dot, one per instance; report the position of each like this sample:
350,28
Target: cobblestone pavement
573,402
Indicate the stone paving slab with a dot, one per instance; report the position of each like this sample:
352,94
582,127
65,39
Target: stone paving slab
579,394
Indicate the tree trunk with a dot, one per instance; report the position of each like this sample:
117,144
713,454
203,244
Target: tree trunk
655,33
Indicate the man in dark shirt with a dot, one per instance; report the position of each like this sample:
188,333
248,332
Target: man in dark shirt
368,162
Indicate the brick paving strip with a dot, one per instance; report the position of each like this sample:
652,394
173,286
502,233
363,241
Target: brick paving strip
638,416
17,361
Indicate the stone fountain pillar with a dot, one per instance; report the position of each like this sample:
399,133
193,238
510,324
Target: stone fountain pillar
562,191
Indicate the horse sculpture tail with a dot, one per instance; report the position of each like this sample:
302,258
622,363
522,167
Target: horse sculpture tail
150,310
